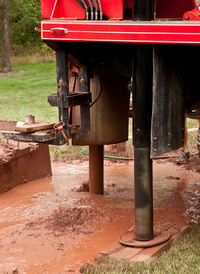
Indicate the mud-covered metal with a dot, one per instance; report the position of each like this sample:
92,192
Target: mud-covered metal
175,92
142,110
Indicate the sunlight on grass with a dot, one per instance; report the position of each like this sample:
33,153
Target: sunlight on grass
26,93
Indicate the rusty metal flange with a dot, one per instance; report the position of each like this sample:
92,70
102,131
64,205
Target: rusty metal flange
157,240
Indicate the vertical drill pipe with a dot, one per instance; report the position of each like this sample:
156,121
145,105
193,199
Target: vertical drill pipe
143,80
143,10
142,125
96,169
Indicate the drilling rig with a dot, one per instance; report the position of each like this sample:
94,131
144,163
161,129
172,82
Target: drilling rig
105,51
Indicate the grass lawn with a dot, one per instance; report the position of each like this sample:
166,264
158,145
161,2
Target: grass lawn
182,258
26,93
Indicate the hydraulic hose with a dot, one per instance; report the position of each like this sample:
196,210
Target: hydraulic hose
100,8
109,156
91,9
83,4
96,9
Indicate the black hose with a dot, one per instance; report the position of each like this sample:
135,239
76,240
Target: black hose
96,9
91,8
99,94
100,8
83,4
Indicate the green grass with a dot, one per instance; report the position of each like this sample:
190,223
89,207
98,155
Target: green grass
26,93
182,258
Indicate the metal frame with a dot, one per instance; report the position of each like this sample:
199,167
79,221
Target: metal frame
156,32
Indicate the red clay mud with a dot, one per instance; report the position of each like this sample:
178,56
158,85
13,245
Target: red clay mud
46,227
21,163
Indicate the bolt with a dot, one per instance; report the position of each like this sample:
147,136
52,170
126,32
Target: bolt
82,81
60,84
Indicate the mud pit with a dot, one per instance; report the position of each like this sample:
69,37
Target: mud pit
48,227
22,162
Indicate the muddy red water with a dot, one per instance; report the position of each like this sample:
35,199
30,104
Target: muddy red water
47,226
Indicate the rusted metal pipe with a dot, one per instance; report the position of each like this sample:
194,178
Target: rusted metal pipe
96,169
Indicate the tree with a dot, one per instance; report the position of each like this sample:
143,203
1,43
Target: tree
5,41
24,17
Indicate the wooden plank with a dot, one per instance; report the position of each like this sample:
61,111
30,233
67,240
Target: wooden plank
28,128
37,137
126,253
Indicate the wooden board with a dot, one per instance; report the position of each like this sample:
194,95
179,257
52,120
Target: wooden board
36,137
28,128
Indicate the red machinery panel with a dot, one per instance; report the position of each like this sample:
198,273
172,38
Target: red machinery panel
158,31
173,9
122,32
46,8
71,9
61,9
113,8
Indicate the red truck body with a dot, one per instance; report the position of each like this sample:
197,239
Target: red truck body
65,21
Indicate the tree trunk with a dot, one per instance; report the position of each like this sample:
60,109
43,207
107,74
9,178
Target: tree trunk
5,41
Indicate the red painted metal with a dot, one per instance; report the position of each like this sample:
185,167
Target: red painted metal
173,9
46,8
61,9
193,15
71,9
60,28
124,32
113,8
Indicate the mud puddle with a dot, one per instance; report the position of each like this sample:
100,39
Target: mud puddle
47,226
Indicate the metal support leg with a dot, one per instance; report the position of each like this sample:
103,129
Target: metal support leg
142,106
96,169
62,87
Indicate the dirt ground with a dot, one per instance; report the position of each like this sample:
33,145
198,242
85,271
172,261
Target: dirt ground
54,225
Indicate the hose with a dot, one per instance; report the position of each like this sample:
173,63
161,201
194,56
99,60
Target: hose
99,94
109,156
100,8
96,9
91,8
83,4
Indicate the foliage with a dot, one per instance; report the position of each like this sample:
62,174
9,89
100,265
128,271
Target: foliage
24,17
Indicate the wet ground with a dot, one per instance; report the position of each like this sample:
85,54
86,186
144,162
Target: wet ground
50,226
